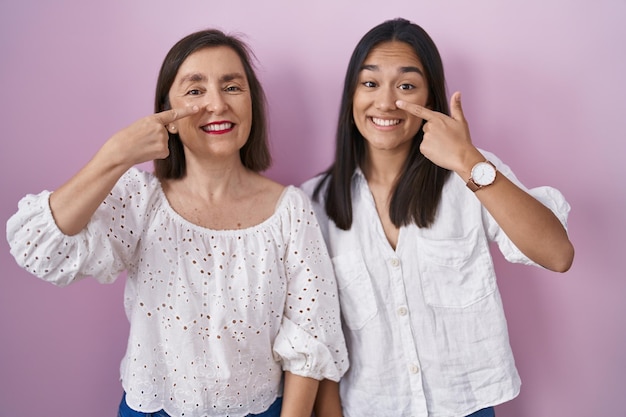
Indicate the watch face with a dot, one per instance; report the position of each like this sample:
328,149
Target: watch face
483,173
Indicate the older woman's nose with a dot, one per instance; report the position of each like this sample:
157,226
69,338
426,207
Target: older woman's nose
216,103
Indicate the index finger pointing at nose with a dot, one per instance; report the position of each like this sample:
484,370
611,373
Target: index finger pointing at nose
416,110
169,116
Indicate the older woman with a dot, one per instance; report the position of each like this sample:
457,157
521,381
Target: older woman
230,292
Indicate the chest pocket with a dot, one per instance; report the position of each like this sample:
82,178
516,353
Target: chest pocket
456,272
356,293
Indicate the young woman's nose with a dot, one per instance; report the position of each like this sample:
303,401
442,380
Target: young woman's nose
386,99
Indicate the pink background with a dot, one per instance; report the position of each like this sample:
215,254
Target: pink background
543,87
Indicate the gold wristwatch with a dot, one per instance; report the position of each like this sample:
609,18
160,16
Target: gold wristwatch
482,175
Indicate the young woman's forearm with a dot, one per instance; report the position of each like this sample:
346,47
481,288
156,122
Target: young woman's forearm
328,402
299,396
534,229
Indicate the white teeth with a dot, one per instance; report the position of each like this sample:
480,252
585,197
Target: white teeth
219,127
385,122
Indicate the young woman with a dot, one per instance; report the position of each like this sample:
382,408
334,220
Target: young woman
408,209
230,291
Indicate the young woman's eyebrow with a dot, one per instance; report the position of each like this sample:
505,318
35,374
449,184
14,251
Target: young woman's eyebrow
401,70
369,68
405,70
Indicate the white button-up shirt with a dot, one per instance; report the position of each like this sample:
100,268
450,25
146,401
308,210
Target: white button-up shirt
424,323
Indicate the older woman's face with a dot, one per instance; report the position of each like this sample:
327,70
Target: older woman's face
214,79
390,72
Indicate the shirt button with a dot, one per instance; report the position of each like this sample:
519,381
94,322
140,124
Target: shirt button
414,369
402,311
395,262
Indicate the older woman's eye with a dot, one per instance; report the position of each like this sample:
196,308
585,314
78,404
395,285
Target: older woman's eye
232,89
193,92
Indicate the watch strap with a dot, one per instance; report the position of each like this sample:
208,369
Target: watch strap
473,186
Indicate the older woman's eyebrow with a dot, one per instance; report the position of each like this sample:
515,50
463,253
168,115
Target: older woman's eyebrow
193,77
231,77
197,77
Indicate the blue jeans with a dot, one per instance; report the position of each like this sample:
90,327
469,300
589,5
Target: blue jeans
126,411
485,412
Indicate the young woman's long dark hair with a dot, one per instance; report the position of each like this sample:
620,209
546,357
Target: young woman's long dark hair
418,189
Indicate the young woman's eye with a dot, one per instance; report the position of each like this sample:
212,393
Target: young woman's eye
369,84
406,87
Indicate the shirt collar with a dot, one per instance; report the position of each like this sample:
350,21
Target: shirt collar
358,175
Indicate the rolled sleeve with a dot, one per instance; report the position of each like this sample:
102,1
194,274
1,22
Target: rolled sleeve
550,197
302,354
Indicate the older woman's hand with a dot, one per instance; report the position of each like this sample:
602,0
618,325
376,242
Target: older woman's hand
147,138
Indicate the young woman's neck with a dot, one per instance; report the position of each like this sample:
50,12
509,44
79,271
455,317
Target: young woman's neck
383,167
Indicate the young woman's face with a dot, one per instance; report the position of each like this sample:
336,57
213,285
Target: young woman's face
391,71
215,80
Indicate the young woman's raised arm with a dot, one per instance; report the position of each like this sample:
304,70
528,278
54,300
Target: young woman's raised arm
530,225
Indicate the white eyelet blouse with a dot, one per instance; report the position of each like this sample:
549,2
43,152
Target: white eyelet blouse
215,315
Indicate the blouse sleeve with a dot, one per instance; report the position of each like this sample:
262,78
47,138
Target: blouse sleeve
310,342
103,249
548,196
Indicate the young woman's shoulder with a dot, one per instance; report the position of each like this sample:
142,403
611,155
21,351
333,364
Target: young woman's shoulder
310,185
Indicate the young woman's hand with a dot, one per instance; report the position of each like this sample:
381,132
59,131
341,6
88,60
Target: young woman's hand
447,140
